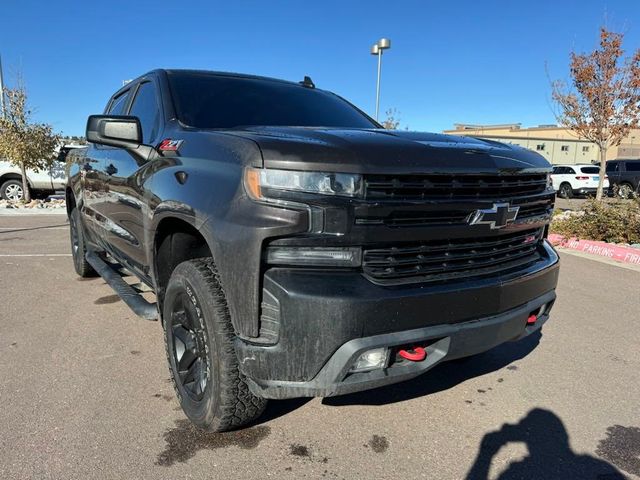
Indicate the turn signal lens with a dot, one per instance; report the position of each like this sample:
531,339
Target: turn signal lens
252,183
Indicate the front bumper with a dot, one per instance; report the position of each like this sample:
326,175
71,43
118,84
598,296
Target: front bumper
327,319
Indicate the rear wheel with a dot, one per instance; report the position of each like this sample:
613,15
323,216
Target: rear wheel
565,190
625,190
202,358
78,246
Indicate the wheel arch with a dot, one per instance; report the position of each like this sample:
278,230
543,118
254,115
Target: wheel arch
13,176
176,239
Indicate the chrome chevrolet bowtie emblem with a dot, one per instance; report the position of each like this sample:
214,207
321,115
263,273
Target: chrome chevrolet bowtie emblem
497,216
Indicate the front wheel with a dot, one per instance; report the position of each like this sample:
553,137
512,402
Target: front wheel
12,190
202,358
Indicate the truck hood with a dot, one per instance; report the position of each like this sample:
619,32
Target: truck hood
386,151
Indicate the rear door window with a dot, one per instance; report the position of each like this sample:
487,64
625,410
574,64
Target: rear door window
632,166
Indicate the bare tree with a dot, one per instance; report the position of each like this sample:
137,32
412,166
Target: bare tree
25,144
602,103
392,122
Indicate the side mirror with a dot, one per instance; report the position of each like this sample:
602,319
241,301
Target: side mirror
114,130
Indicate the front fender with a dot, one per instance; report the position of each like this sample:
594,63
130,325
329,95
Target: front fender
212,199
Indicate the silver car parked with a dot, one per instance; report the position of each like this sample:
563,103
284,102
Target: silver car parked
45,182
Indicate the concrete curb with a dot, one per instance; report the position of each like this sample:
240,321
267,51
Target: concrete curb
613,251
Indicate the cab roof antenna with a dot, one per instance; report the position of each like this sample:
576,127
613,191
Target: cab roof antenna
307,82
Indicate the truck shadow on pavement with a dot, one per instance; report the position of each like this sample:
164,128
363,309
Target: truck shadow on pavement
445,375
550,455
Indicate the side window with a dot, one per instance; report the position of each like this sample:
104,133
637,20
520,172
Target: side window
570,171
556,171
632,166
118,104
145,107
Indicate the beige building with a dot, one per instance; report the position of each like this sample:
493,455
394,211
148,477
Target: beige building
558,145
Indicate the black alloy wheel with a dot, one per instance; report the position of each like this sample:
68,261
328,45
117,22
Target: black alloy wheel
189,347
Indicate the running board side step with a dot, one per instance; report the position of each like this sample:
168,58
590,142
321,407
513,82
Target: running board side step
126,292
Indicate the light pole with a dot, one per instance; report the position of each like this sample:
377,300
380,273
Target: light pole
377,49
1,91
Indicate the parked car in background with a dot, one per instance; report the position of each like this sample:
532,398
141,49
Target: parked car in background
571,180
624,176
42,183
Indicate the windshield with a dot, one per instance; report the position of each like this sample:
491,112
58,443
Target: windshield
590,170
215,101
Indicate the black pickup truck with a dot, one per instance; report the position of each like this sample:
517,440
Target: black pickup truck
294,247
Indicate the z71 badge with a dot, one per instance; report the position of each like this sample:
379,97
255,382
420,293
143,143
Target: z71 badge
169,145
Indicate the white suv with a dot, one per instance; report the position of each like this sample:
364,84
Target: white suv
570,180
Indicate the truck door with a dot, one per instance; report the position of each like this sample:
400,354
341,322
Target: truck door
126,188
94,178
632,174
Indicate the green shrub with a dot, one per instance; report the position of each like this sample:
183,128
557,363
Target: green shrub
610,221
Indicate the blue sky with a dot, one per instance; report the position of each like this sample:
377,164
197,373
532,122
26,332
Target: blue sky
453,61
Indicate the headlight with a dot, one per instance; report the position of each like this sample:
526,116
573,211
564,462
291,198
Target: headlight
549,182
259,181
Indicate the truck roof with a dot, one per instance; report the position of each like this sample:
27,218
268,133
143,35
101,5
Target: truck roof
226,74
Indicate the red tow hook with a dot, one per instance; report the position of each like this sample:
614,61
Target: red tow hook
416,354
532,319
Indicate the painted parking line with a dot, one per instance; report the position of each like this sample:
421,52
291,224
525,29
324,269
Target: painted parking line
34,228
35,254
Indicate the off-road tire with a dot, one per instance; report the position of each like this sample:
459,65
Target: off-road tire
78,246
225,402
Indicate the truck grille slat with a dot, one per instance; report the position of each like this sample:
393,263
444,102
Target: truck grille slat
451,259
425,187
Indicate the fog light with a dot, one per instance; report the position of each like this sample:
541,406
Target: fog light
371,360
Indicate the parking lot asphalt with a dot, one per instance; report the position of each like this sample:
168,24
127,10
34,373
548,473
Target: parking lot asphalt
85,392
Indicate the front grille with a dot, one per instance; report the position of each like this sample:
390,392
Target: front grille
413,218
451,259
427,187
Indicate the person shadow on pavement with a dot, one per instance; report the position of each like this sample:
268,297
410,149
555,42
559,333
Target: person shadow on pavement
550,456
